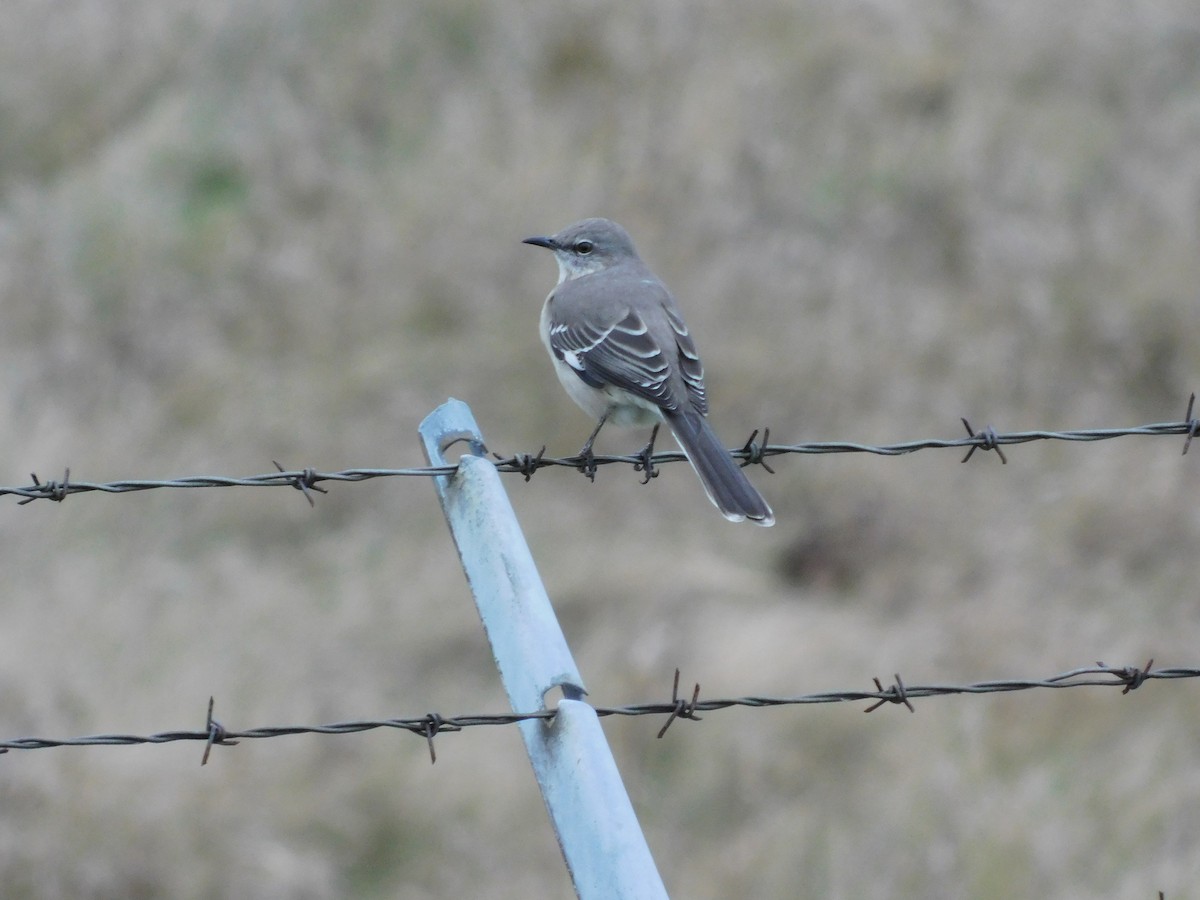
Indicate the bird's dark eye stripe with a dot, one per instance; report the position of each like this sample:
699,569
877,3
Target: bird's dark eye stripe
583,247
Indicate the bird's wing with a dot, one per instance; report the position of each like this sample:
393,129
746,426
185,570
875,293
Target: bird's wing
624,354
690,366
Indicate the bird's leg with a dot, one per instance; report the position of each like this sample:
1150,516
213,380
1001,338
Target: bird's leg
646,457
587,459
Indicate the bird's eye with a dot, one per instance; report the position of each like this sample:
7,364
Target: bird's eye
583,248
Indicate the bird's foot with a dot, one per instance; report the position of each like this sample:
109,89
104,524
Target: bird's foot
587,461
645,458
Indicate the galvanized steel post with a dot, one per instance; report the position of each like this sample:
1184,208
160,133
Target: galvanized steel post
597,829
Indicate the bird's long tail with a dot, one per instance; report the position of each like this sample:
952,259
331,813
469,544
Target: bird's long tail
724,481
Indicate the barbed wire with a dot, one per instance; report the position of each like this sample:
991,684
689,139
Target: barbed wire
1128,678
308,480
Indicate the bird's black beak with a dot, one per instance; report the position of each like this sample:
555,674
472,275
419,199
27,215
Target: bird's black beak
539,241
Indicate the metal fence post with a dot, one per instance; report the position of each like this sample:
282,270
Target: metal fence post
598,832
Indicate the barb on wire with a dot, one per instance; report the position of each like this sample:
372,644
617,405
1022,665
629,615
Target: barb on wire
1128,678
682,709
897,693
523,463
435,724
752,453
51,490
988,437
216,734
305,482
1193,425
526,464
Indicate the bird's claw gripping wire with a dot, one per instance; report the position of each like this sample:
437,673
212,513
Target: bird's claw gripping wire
645,459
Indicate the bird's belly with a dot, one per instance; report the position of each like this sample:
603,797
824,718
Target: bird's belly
624,410
629,411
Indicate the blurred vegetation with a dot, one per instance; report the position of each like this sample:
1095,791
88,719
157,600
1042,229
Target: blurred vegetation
232,233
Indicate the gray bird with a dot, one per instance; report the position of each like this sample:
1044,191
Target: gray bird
622,351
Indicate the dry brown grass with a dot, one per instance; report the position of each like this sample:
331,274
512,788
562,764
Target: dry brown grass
238,232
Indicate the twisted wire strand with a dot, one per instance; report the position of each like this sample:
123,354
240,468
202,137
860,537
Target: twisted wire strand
526,464
1127,678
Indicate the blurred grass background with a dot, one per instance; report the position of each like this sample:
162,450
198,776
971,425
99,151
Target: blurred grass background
232,233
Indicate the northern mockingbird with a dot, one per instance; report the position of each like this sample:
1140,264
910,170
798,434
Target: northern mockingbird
622,351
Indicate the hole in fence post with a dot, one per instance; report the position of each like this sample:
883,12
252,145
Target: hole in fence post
449,440
569,692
